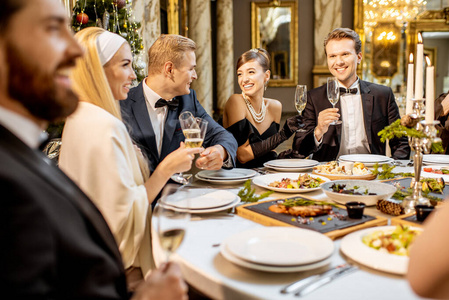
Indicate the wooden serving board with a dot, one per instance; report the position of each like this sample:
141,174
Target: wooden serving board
345,177
408,220
333,228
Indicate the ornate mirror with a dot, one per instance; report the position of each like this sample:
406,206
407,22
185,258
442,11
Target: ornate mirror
275,28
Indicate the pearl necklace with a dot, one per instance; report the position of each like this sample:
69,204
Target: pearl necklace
258,117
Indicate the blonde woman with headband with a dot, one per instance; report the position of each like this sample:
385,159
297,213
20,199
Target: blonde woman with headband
253,119
99,155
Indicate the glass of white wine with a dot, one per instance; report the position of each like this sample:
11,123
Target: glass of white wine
300,100
172,216
333,94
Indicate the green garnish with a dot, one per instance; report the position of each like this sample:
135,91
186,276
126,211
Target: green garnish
247,194
386,172
304,202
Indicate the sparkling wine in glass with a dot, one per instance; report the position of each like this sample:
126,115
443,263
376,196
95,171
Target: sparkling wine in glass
333,94
188,122
172,217
300,100
194,134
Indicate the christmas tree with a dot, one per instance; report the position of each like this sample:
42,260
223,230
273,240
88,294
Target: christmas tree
115,16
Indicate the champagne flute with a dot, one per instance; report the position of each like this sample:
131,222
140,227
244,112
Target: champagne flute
172,217
300,100
187,121
333,94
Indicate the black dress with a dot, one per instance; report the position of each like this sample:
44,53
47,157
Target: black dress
243,130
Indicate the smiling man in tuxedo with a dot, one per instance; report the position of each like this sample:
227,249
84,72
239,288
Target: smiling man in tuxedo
55,242
153,107
365,108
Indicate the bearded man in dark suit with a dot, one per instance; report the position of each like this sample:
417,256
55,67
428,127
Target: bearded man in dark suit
365,108
152,108
55,244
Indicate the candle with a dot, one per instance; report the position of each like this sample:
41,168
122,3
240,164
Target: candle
430,91
419,68
408,101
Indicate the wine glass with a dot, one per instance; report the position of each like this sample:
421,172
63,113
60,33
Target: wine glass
333,94
186,119
172,217
300,100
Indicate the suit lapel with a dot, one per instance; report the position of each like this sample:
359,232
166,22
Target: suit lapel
140,112
367,104
36,161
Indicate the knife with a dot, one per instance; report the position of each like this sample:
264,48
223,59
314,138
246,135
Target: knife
324,280
300,283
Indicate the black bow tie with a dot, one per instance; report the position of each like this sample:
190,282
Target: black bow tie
348,91
172,105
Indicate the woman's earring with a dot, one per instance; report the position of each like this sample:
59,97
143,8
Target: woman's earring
266,85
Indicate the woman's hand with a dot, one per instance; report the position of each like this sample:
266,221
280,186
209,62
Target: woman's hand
180,160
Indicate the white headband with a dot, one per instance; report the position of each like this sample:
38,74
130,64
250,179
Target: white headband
108,44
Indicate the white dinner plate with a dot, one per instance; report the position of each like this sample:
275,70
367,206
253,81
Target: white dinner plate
275,269
281,169
236,201
433,159
222,174
292,163
222,182
264,245
382,191
368,160
201,198
265,180
354,248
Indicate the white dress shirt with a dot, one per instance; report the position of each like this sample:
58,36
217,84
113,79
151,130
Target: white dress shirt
157,115
353,134
25,129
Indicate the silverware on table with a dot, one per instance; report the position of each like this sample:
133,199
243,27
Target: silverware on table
322,280
295,286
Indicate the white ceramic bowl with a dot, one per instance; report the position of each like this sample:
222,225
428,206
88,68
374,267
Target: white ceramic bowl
382,191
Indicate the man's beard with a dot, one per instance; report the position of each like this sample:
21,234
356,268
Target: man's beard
38,91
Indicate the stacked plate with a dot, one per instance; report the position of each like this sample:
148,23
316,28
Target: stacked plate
291,165
278,249
223,176
435,159
200,201
368,160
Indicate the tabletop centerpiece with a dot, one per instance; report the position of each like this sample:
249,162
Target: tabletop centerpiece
418,125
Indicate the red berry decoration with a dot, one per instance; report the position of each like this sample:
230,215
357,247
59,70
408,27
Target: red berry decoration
120,3
82,18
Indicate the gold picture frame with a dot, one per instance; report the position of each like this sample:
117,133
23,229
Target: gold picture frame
274,27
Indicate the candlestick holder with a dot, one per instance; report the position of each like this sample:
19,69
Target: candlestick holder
419,146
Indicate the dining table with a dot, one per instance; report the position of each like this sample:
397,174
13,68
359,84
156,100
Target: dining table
209,272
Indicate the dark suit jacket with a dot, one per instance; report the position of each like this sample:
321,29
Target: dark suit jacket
379,110
55,244
136,117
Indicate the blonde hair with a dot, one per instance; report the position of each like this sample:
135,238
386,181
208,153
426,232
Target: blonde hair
89,79
168,47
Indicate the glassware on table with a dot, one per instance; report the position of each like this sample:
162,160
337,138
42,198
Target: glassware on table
172,216
333,94
300,100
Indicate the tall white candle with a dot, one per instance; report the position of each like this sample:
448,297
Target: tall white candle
430,92
419,68
408,99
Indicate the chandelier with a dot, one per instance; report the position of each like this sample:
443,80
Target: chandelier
398,11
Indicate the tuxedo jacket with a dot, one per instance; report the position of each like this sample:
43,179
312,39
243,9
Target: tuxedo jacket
379,110
55,244
136,117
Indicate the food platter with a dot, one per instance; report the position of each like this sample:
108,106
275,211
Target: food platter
354,248
345,177
265,180
382,191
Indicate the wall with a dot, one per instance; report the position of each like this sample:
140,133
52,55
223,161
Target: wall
242,43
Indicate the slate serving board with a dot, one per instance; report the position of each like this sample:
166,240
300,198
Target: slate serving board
259,213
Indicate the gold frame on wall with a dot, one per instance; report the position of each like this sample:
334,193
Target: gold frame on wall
292,67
